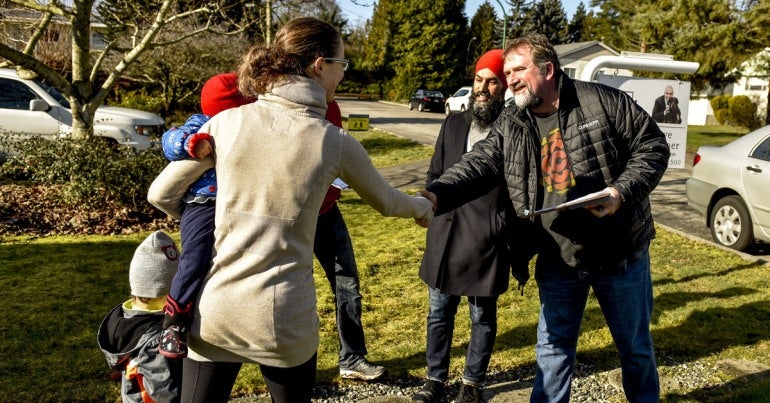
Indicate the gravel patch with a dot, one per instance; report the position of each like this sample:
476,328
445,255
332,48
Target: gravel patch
515,386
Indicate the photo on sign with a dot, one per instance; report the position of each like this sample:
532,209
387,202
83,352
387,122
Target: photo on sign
666,101
666,108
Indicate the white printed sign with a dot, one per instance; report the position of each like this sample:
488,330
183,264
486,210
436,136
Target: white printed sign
667,101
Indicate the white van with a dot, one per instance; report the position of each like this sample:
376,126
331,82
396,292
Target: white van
34,108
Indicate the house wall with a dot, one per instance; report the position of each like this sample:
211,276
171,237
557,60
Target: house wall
699,112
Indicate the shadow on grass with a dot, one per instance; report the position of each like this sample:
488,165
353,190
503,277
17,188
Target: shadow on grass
391,144
719,273
703,334
673,300
747,388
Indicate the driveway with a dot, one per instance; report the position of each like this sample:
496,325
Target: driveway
669,204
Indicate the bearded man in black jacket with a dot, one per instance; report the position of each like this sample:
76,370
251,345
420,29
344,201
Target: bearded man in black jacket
466,251
565,139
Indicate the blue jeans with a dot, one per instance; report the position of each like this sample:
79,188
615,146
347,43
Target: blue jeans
334,251
197,235
441,324
625,298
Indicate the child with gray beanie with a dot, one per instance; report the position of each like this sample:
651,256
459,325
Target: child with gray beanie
129,335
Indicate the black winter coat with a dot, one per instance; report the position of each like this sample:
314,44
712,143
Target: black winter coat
466,250
609,140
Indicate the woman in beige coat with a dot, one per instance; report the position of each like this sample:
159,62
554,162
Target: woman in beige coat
275,159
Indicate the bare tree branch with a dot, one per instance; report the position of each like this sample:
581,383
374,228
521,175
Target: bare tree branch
137,50
30,63
53,7
126,33
39,31
100,59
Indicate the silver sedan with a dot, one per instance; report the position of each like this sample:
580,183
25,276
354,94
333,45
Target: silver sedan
730,186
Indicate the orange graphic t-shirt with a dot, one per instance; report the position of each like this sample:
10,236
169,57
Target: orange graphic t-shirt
554,164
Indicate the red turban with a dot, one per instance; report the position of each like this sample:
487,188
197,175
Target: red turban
492,60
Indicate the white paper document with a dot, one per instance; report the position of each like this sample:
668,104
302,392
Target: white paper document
587,200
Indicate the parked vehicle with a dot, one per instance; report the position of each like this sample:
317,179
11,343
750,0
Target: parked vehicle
427,99
34,108
729,186
459,101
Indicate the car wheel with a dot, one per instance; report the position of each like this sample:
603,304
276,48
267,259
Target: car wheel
420,107
462,108
731,223
411,105
447,111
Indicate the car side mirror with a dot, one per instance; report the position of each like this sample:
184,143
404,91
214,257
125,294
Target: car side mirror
38,105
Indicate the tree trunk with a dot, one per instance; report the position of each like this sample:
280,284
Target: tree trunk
82,121
82,87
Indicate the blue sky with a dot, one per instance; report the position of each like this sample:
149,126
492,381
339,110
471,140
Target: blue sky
358,14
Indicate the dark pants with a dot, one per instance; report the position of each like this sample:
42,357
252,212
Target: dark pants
197,234
212,382
334,251
441,325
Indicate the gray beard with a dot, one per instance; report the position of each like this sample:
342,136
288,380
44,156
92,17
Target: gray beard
485,113
527,100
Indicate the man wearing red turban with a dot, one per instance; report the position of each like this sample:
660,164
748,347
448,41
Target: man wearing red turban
466,251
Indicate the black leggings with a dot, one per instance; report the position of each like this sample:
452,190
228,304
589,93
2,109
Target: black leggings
206,382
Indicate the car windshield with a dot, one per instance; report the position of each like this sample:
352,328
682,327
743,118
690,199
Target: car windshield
53,92
434,94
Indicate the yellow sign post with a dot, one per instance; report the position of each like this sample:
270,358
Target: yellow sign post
358,122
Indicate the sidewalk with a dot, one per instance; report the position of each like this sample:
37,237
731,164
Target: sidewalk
407,176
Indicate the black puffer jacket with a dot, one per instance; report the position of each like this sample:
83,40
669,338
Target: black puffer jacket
609,140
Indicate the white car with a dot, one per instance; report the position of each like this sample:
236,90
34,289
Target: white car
34,108
730,186
459,101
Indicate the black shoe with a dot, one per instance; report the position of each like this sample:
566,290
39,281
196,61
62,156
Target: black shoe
430,393
470,394
173,342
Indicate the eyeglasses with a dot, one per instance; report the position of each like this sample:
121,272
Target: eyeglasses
345,63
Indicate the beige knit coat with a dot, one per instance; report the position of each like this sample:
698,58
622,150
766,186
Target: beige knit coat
275,160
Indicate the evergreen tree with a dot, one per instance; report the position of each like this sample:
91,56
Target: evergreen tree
483,29
378,46
356,77
603,25
429,46
547,17
577,24
518,18
711,32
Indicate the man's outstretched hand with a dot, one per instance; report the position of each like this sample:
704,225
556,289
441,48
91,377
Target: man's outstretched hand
423,222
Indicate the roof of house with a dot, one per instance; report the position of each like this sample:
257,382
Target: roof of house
569,49
582,52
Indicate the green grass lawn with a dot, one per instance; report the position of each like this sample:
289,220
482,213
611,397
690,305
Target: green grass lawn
709,304
713,135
